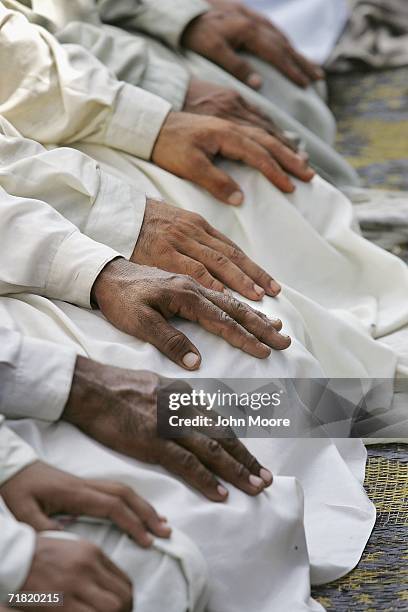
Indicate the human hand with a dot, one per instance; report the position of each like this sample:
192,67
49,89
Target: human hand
89,580
138,300
40,491
118,408
187,145
206,98
229,27
181,241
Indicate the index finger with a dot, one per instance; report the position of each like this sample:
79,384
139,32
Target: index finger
214,456
137,504
270,126
91,502
311,69
237,449
219,242
237,145
254,322
185,464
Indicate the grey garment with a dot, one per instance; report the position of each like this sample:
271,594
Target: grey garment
307,106
164,19
382,215
130,59
293,109
376,36
141,60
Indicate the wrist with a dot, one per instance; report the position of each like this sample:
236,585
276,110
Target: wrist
105,281
86,391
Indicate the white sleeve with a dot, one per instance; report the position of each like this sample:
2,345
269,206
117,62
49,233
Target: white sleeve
43,253
15,454
17,541
164,19
17,547
56,212
132,58
35,382
80,98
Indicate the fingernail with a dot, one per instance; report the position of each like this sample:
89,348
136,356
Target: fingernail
163,519
266,475
254,80
275,287
191,360
258,290
255,481
148,539
236,198
222,491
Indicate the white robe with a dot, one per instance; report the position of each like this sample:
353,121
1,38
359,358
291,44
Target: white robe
35,378
289,541
345,291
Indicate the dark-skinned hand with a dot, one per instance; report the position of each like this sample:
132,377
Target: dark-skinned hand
229,27
206,98
181,241
88,579
139,300
188,144
118,408
40,491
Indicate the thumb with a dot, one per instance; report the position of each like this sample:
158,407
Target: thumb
39,520
171,342
233,63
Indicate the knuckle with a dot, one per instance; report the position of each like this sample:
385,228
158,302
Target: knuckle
241,471
199,271
220,260
214,447
125,491
225,319
188,461
252,463
87,554
235,254
217,45
196,218
183,283
115,506
114,604
174,342
226,433
228,322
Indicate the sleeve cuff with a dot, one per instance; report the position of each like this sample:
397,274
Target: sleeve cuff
168,80
136,121
167,19
15,454
75,267
39,384
117,215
